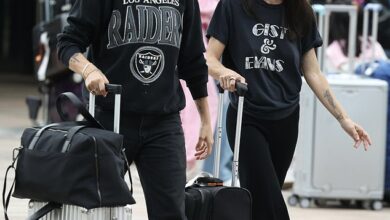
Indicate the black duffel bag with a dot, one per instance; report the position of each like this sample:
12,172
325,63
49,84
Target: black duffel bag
77,163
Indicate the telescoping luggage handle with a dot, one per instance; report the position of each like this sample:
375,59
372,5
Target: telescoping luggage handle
117,90
375,8
324,12
241,91
114,89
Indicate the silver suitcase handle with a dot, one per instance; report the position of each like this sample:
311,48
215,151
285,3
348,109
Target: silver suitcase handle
114,89
242,89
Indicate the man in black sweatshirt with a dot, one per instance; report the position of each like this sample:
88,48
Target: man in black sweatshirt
146,46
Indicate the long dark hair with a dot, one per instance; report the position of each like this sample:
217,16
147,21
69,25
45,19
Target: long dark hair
298,17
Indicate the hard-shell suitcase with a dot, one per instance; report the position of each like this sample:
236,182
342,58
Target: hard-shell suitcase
327,167
207,199
70,212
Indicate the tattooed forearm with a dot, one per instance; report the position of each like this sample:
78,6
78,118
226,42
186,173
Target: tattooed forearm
329,98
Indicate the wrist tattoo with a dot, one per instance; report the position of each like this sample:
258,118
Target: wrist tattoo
74,58
328,97
340,117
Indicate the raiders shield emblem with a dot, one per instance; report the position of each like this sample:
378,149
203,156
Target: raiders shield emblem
147,64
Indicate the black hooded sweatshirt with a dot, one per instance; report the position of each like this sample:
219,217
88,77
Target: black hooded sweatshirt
144,45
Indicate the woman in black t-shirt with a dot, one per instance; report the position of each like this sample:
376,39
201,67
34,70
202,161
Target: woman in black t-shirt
270,44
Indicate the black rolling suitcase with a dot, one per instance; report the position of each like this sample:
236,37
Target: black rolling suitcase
207,198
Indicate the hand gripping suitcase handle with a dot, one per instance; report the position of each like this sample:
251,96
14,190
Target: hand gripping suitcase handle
114,89
241,88
241,91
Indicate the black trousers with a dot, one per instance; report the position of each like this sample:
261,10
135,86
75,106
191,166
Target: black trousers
267,148
156,145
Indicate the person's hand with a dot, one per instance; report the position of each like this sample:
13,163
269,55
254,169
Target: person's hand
205,142
95,83
358,134
229,78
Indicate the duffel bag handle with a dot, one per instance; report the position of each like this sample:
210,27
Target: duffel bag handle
39,133
79,105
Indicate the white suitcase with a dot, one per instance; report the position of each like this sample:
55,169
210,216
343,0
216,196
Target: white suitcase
327,167
71,212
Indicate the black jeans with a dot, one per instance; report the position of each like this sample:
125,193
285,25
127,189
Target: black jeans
267,148
156,145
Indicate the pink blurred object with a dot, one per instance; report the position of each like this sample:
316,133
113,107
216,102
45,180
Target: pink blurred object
189,115
207,8
337,60
358,2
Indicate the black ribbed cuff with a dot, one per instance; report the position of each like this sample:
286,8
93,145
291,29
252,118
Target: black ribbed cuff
198,91
70,51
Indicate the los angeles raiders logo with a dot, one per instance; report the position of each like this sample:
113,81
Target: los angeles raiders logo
147,64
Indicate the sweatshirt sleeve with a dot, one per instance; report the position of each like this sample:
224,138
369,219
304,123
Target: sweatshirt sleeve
83,25
192,64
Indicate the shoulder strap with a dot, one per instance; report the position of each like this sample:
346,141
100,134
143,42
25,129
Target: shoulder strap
44,210
6,198
79,105
128,169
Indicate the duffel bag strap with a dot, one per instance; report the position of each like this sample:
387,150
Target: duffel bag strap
7,196
128,170
79,105
44,210
72,132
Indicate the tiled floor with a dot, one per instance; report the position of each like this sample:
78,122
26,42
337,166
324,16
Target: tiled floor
13,118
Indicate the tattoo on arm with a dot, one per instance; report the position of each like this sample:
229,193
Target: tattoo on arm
328,97
74,58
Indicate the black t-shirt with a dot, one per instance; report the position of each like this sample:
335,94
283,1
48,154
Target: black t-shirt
263,54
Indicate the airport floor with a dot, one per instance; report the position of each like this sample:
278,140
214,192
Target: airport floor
14,118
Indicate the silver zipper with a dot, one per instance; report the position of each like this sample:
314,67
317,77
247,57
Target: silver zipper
97,170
